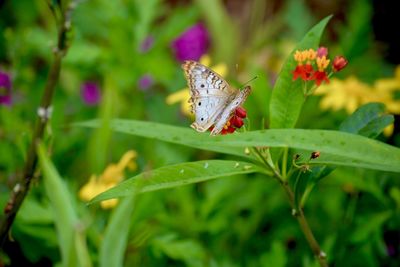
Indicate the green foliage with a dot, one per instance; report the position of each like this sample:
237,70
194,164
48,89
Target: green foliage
337,148
369,120
115,239
178,175
209,201
71,236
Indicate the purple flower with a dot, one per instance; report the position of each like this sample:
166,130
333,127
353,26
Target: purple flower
145,82
147,44
191,44
90,92
5,89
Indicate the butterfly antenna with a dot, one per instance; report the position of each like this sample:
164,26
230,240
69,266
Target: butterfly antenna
252,79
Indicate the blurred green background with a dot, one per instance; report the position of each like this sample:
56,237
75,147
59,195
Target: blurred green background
124,61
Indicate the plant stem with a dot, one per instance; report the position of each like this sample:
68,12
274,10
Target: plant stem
21,188
298,214
284,163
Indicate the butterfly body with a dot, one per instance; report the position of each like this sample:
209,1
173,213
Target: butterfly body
212,99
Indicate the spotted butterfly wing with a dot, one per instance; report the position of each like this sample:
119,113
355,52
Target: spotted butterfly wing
212,99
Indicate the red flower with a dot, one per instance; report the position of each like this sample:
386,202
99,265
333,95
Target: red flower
339,63
303,71
319,77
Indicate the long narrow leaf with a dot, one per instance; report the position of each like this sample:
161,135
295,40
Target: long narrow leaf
178,175
66,220
342,149
115,239
167,133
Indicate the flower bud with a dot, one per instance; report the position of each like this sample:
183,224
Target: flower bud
339,63
237,121
241,112
322,51
315,154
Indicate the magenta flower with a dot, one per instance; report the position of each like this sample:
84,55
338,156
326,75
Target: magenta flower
145,82
147,44
90,92
5,89
191,44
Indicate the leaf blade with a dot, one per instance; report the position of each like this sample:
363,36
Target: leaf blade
66,219
167,133
343,149
178,175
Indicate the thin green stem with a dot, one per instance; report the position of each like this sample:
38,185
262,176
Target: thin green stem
284,163
297,213
21,188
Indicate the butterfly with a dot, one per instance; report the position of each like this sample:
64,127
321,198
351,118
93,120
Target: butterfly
213,100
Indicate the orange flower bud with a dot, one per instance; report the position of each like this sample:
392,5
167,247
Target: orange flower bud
339,63
315,154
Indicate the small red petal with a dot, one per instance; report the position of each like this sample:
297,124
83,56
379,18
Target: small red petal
241,112
319,77
303,71
224,131
230,129
297,73
237,121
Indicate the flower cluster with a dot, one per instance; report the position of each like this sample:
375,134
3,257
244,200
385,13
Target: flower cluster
313,65
235,122
112,175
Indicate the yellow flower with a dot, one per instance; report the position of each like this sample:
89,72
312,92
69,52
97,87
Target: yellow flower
183,95
311,54
322,63
111,176
301,56
351,93
348,94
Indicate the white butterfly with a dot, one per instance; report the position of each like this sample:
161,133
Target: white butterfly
213,100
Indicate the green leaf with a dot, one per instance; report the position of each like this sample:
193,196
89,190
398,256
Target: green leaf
306,182
287,96
337,148
178,175
186,250
113,246
365,228
341,148
167,133
369,120
66,220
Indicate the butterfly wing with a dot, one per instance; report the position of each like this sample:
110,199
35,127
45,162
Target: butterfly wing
206,110
209,92
229,109
203,81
